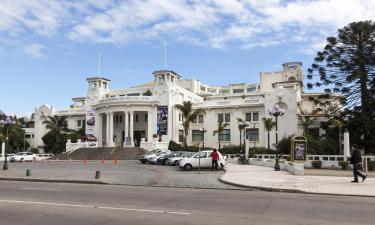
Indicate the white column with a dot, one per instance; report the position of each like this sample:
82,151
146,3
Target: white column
150,132
111,143
98,129
346,145
131,130
107,130
126,121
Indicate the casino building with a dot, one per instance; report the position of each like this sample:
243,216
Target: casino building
134,116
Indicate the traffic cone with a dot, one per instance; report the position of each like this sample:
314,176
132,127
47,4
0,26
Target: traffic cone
115,161
102,161
85,162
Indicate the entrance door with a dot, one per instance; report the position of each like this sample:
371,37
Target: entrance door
138,134
122,138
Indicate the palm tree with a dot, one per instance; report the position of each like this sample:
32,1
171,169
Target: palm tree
57,125
220,128
305,122
268,125
189,115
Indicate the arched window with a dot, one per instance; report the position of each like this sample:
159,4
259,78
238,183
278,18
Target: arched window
292,79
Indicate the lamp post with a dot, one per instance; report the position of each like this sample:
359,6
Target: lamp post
203,130
276,111
242,125
8,121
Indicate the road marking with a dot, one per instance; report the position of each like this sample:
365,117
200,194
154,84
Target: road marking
93,206
40,189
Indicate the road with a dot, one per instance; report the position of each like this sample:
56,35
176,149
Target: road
32,203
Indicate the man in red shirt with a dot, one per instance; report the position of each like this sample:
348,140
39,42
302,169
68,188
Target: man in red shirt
215,159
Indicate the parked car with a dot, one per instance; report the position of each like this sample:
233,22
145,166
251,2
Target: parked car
23,157
163,159
175,161
144,158
189,163
153,158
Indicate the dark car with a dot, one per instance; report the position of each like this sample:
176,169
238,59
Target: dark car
164,158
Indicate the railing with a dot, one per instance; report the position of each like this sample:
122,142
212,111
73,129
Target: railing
332,158
154,144
126,98
71,147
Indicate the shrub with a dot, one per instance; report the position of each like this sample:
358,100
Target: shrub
316,164
370,165
34,150
230,149
173,146
344,165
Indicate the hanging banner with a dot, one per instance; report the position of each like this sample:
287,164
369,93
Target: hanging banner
90,124
162,121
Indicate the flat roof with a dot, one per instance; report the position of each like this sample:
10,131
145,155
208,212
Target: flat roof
97,78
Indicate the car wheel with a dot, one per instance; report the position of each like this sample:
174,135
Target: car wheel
175,163
188,166
22,160
34,159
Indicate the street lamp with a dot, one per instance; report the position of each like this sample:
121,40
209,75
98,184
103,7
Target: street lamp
276,111
203,130
242,125
8,121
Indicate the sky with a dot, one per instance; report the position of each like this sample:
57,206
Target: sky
49,48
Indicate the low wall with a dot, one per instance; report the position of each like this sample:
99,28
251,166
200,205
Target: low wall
154,144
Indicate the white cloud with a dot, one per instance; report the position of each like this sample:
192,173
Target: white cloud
34,50
212,23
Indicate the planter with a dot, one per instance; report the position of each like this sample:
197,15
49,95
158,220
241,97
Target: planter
316,164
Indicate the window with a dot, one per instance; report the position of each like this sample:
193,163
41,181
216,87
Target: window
195,120
105,85
146,117
255,116
197,135
201,155
200,119
251,89
120,119
248,117
237,91
136,118
133,94
180,135
79,123
225,135
27,135
252,134
32,136
220,118
224,117
227,118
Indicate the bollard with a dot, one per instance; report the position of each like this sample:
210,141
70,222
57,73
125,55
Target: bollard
97,174
28,173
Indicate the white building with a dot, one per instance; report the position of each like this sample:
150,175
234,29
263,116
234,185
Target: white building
123,117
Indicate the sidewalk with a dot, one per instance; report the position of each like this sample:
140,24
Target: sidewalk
266,178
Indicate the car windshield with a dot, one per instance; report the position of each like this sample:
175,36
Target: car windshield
20,153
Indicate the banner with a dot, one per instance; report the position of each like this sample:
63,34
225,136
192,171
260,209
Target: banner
90,123
162,121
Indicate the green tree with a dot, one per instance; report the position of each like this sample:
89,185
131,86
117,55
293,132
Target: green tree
55,139
347,66
220,128
189,114
305,122
268,125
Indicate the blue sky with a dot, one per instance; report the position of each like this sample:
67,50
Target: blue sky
49,48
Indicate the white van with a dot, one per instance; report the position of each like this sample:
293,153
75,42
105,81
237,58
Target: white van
206,161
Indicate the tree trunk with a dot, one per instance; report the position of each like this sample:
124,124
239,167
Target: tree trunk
185,137
268,139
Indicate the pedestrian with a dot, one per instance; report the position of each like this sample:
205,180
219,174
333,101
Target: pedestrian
356,160
215,158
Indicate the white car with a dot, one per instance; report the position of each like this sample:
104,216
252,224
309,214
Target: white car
205,160
154,158
23,157
175,161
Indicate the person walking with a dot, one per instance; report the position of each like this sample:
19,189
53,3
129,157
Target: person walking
355,160
215,159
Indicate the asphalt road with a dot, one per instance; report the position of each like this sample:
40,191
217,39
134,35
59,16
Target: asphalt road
59,204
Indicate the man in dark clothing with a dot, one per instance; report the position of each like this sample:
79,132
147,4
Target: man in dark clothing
356,159
215,158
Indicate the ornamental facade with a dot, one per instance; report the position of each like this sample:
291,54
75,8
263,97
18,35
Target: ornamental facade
134,116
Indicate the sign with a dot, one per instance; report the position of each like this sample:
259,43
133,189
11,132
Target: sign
90,124
162,121
299,149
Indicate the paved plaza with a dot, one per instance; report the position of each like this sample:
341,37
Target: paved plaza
124,172
266,178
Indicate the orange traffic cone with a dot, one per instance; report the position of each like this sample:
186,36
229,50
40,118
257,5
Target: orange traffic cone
102,161
115,161
85,162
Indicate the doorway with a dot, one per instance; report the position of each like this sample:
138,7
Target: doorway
138,134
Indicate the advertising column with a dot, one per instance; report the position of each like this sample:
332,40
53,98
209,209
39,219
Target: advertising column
90,128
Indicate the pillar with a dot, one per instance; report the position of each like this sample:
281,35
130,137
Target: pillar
131,130
3,149
107,139
126,122
98,129
111,143
149,126
346,145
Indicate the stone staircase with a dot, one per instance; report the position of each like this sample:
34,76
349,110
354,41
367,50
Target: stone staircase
117,153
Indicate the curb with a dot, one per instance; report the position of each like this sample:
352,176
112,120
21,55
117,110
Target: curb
54,181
